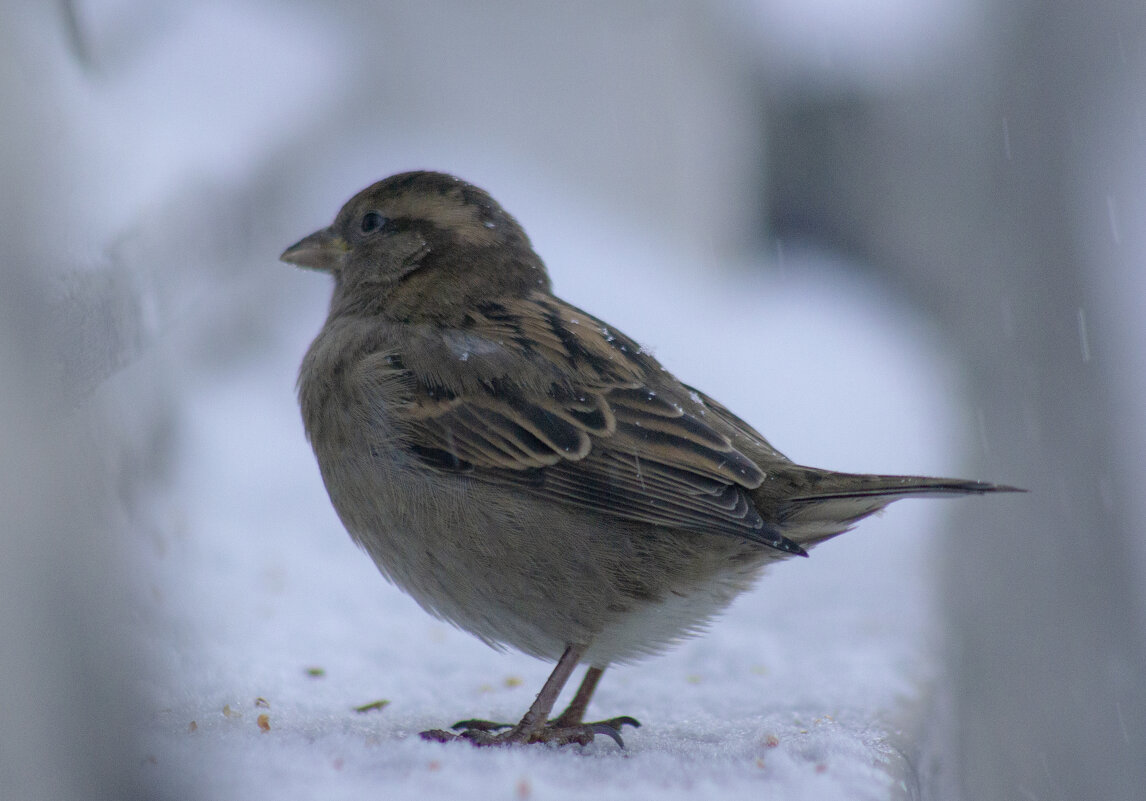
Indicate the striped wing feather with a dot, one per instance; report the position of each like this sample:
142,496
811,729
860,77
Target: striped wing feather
623,438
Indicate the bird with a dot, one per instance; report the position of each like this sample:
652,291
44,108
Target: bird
525,470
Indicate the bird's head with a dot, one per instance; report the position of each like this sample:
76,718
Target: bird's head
421,247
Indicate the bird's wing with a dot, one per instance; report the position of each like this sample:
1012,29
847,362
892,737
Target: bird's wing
537,394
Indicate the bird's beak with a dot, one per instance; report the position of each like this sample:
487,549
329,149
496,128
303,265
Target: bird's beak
322,250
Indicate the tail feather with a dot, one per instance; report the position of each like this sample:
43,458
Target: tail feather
823,504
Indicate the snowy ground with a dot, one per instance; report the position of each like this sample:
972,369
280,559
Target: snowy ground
248,585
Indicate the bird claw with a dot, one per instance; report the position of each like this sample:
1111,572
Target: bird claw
487,732
476,724
608,731
612,727
437,735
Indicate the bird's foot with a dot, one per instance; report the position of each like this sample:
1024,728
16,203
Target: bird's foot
555,732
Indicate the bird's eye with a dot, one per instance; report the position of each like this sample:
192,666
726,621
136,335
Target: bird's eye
372,221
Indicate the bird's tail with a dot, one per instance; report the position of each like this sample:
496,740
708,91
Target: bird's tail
821,504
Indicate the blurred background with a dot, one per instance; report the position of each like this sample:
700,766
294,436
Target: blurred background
895,236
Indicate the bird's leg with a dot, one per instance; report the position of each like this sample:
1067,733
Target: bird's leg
538,714
572,716
535,727
478,731
575,712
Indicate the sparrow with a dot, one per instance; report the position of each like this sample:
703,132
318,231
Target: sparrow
528,472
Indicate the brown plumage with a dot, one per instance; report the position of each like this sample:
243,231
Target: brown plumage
523,469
